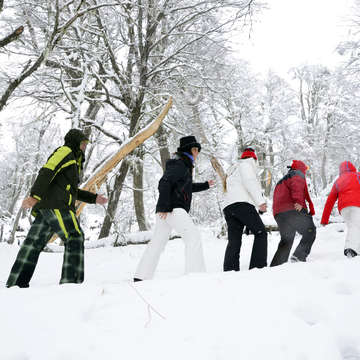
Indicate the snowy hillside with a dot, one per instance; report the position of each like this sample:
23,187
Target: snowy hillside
296,311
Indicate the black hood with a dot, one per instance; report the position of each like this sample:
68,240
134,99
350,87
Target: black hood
73,139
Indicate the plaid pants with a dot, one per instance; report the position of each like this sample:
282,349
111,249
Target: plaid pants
48,221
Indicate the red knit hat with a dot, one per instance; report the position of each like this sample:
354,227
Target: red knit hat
248,153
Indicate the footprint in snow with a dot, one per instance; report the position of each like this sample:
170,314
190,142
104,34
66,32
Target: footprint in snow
350,353
342,288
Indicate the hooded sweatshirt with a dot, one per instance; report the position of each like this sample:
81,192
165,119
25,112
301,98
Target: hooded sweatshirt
346,190
292,189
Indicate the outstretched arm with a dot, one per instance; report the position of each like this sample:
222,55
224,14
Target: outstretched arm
86,196
196,187
330,202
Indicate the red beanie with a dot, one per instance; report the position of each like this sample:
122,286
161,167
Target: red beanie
248,153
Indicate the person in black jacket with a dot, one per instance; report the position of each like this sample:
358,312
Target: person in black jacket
175,194
52,199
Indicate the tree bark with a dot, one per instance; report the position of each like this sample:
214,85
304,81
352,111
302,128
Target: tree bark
262,165
240,137
161,139
325,150
138,172
15,226
114,199
1,232
11,37
269,180
16,195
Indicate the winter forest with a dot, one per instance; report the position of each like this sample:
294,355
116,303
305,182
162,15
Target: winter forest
72,65
109,67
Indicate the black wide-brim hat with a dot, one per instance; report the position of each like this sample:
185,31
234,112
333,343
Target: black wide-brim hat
187,143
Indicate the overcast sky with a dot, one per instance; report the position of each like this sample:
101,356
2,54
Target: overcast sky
293,32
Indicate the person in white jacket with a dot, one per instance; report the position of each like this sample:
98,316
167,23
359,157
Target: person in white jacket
242,197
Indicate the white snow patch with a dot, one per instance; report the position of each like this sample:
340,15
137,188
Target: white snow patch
301,311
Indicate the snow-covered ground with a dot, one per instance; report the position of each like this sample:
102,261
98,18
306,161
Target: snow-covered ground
302,311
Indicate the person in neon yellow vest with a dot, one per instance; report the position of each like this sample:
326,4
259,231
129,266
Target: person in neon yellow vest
52,200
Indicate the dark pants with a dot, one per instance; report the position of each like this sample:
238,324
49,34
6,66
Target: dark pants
237,216
289,223
46,223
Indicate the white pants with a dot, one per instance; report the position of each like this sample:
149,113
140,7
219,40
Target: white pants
351,215
179,220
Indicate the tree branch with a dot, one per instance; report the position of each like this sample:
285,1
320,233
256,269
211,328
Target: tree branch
13,36
56,35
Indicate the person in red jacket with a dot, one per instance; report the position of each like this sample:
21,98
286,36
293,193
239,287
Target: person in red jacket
291,214
346,190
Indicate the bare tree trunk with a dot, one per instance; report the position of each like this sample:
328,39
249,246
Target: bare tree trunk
323,169
262,165
240,137
301,98
16,223
200,132
1,232
119,181
16,195
269,168
114,199
161,139
138,172
325,149
15,191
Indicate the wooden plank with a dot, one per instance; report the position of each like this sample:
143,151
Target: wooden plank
100,176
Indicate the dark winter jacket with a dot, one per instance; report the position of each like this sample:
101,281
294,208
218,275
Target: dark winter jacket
346,190
292,189
176,186
56,186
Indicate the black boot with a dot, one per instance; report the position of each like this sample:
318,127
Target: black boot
137,279
350,253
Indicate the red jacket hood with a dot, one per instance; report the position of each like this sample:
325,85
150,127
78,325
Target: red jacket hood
346,166
299,165
346,191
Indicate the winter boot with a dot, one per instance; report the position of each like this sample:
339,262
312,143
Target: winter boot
350,253
137,279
